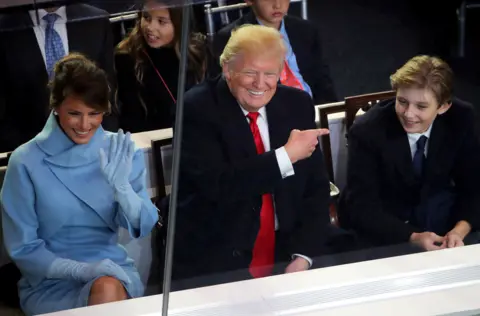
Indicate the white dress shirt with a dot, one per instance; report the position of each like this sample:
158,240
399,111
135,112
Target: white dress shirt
283,160
414,137
60,26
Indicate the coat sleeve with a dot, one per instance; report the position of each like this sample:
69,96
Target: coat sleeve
20,223
148,212
311,234
466,173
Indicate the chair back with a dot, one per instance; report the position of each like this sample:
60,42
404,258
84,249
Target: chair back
333,207
350,107
223,9
323,111
158,162
4,157
363,102
159,234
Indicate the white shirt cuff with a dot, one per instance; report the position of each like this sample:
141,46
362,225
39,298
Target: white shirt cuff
284,163
310,262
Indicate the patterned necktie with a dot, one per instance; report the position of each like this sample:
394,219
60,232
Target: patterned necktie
288,78
419,157
263,256
54,50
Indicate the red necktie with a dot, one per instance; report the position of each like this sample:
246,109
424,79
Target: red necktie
288,78
263,256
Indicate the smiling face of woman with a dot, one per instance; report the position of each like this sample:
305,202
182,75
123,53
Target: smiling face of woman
78,120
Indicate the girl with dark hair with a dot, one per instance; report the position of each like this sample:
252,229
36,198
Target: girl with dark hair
147,64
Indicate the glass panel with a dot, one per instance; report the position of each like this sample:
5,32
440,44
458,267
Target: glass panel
234,176
83,228
75,236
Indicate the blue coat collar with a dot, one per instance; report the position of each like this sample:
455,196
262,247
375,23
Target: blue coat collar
62,151
77,167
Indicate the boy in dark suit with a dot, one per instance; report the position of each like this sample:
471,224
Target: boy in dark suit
414,164
304,67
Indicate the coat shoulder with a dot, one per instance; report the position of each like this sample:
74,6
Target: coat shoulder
376,119
27,155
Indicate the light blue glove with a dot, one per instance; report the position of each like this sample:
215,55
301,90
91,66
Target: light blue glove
117,168
85,272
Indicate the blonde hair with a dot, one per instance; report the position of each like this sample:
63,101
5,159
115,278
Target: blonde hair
426,72
253,40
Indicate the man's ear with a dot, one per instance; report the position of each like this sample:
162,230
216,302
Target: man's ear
226,71
444,107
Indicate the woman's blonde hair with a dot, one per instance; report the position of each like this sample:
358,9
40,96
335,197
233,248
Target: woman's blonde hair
426,72
253,40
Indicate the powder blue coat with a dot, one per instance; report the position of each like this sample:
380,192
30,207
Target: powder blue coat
56,202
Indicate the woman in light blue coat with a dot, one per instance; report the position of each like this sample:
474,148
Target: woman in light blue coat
65,195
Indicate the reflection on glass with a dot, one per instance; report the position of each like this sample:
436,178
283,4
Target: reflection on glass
258,196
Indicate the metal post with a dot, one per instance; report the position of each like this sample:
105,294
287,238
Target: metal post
223,15
123,30
304,10
461,16
177,142
209,22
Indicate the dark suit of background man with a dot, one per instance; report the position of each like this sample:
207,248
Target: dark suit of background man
305,65
28,50
234,166
413,164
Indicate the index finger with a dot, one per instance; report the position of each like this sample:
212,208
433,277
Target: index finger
322,131
438,239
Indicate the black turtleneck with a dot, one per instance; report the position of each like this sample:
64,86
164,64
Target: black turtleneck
158,109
